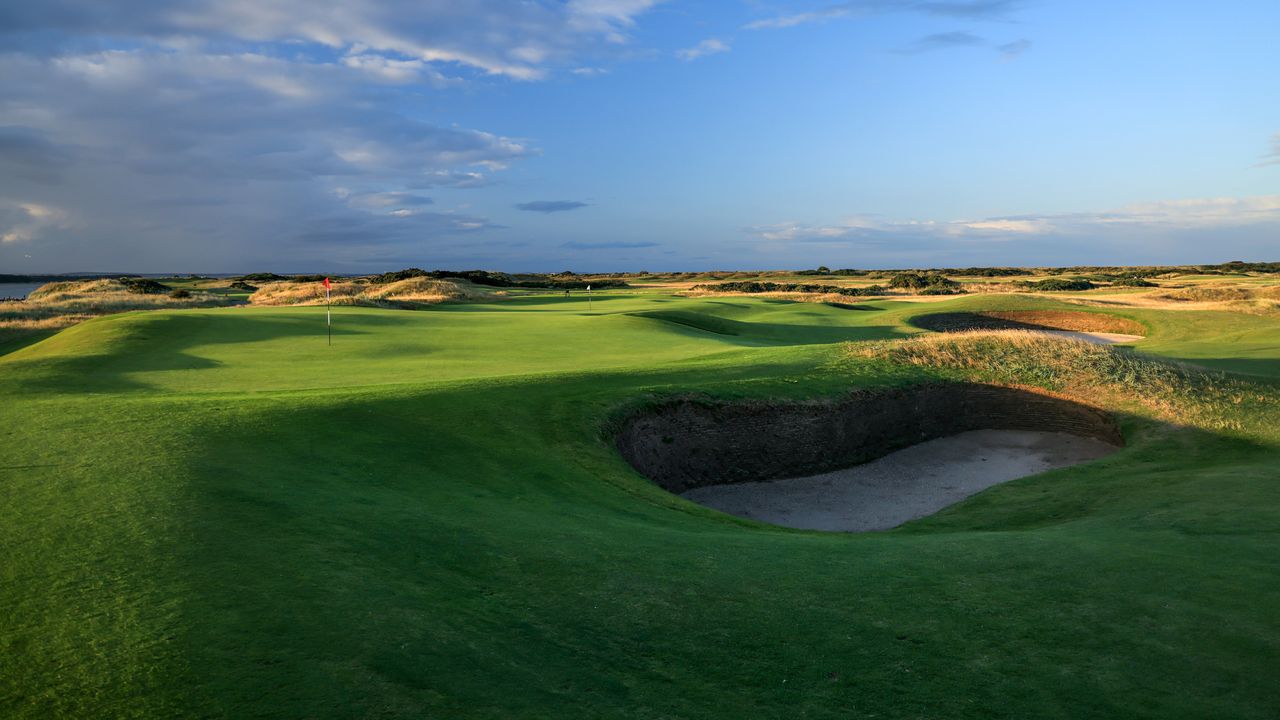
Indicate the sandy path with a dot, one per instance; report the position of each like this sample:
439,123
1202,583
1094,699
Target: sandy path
1094,337
908,484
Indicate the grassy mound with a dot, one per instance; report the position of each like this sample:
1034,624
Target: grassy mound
61,304
1074,320
407,293
1174,391
1208,293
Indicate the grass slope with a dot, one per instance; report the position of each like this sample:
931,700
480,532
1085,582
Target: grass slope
211,513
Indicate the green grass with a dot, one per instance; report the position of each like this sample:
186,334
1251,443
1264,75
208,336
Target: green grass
210,513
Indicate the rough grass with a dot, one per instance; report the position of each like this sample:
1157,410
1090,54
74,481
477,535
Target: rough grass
1231,297
1207,293
1030,319
402,294
1173,391
62,304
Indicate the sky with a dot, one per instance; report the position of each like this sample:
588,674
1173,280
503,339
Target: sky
347,136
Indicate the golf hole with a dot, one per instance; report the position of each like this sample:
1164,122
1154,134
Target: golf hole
871,460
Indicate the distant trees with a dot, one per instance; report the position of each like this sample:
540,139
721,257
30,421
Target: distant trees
143,286
753,286
1132,281
926,283
1059,284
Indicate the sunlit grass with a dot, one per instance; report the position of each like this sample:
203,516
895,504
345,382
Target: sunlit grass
1174,391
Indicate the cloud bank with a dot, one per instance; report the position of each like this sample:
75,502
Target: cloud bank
207,134
1151,232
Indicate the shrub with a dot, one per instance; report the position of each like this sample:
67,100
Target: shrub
179,293
398,275
754,286
942,290
922,281
1059,285
143,286
242,285
1132,281
985,271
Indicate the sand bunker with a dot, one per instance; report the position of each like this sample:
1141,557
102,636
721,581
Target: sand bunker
1097,338
904,485
794,464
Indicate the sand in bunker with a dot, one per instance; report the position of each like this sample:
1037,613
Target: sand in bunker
1098,338
904,485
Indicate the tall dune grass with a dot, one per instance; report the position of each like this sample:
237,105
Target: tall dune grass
402,294
62,304
1172,391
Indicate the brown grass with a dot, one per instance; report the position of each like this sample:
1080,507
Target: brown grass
63,304
1207,293
1263,300
403,294
1172,391
1074,320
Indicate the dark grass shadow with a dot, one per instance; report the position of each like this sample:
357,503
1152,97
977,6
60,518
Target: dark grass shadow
1258,369
962,321
770,333
849,306
161,341
15,340
516,304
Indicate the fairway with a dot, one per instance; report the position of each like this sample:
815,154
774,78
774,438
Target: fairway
211,513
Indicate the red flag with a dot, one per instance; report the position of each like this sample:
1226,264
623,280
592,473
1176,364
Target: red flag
326,283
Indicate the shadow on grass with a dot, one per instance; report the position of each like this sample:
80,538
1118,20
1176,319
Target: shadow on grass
532,302
770,333
493,504
14,340
158,341
1258,369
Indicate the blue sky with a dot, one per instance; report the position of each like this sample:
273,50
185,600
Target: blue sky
304,135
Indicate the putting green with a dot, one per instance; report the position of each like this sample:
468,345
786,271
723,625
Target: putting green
212,513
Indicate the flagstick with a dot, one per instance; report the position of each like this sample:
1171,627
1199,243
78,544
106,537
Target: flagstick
588,298
328,315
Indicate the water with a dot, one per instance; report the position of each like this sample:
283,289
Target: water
17,290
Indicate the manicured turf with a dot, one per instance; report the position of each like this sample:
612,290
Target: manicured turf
210,513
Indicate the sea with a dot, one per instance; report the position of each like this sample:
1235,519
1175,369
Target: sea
17,290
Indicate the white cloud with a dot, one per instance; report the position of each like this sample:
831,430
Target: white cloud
786,21
520,40
1159,216
24,221
710,46
186,158
958,9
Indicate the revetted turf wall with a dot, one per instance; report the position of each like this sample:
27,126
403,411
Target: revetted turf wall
686,443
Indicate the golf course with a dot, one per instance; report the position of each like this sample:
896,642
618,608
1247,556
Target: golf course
213,512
